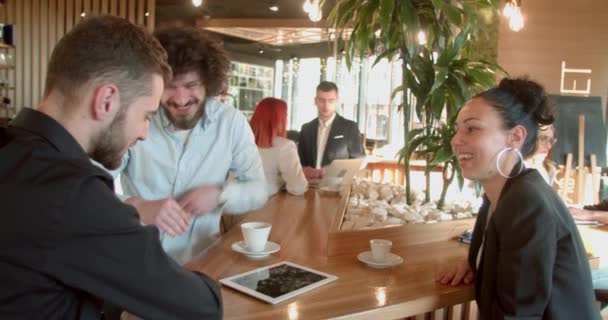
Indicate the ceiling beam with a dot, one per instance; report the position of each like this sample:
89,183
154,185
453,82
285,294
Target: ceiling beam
259,23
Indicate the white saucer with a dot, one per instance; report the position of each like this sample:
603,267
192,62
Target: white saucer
393,260
241,246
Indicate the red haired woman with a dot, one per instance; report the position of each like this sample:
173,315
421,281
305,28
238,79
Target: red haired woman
279,155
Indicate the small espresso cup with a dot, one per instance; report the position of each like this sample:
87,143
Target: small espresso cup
380,249
256,235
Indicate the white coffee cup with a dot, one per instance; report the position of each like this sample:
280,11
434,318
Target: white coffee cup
380,249
256,235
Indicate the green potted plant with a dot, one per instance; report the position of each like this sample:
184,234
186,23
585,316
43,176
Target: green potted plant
438,76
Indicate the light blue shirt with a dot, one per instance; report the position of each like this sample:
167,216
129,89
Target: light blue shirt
163,166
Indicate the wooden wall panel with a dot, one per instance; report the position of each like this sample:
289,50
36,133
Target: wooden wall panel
105,6
132,5
26,62
86,7
39,24
60,19
43,33
122,9
95,7
114,7
35,56
19,55
151,9
140,12
52,25
69,14
556,31
77,11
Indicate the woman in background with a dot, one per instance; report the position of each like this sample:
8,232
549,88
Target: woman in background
279,155
526,256
540,159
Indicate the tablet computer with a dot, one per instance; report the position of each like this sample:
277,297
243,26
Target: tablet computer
278,282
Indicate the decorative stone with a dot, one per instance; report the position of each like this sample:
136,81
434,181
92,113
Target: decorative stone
386,193
393,221
410,216
374,205
463,215
445,217
379,213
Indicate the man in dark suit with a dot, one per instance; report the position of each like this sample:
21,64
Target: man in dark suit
329,136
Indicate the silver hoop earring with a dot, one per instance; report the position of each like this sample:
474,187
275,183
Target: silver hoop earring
521,162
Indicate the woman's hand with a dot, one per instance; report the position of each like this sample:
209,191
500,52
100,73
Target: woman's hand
456,274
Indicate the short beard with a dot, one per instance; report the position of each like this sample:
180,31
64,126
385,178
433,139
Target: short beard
182,123
108,146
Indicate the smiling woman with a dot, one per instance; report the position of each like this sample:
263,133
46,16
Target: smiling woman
523,230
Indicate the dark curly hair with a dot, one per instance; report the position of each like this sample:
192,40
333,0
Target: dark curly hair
521,102
190,49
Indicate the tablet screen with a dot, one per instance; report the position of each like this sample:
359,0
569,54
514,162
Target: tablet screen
278,282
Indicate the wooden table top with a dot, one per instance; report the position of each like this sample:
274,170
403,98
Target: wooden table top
301,225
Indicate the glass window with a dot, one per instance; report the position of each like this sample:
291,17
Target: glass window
348,84
308,75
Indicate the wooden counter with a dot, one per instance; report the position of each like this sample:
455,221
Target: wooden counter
301,226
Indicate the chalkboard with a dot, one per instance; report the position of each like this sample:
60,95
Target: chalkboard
568,109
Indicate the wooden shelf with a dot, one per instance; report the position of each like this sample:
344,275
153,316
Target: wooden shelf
6,46
7,67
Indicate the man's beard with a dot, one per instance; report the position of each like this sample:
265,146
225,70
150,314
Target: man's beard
184,123
108,146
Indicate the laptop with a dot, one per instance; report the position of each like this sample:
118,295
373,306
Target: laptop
339,169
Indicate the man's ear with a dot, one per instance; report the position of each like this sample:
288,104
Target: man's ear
517,136
105,102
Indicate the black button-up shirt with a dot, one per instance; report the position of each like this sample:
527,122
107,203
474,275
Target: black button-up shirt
68,244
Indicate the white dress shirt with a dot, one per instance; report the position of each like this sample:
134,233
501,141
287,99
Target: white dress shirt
322,135
282,167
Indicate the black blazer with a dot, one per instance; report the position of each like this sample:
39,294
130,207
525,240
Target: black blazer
533,264
68,244
343,142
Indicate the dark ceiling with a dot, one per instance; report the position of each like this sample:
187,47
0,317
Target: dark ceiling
183,12
167,10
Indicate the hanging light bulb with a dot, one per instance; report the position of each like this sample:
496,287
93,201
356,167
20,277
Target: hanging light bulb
508,10
421,38
197,3
315,14
516,21
307,6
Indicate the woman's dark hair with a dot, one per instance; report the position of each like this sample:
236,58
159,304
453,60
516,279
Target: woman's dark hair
521,102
